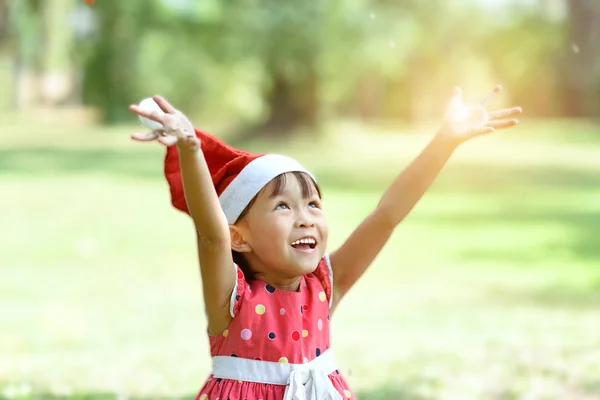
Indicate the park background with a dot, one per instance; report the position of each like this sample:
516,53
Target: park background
490,289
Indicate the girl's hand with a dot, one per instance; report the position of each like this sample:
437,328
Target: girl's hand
463,122
177,128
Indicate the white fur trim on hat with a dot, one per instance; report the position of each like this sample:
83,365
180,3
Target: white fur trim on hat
260,171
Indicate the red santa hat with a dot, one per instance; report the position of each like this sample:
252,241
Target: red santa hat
237,175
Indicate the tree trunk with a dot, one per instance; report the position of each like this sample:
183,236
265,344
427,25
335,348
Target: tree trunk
25,27
583,82
110,80
57,78
292,56
292,105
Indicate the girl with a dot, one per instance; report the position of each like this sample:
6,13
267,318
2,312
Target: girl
269,287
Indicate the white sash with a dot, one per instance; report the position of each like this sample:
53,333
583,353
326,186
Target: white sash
304,381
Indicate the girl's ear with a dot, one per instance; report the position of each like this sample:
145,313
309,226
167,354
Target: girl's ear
238,242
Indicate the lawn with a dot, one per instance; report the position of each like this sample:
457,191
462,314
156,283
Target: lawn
489,290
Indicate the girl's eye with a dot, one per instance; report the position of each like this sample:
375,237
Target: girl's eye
281,206
313,204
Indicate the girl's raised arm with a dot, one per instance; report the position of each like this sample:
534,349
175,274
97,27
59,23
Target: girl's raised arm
212,229
461,123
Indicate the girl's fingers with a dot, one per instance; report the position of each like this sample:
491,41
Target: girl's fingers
164,105
456,97
152,115
146,136
480,131
491,95
457,93
508,112
167,140
455,109
502,124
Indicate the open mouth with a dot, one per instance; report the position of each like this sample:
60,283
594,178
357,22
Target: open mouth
307,243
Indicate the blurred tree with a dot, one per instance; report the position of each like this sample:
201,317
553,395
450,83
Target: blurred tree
528,56
365,48
41,43
25,18
287,36
4,27
582,84
278,65
57,75
6,57
110,71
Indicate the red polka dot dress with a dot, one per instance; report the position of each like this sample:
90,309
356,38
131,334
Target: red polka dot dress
273,328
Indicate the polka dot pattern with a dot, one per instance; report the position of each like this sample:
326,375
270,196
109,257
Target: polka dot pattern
269,288
246,334
273,325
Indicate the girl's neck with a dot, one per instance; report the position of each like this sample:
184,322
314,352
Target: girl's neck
287,284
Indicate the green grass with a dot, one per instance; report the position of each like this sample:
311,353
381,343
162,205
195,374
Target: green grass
489,290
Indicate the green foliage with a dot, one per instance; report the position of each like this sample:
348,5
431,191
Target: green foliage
25,24
223,59
282,64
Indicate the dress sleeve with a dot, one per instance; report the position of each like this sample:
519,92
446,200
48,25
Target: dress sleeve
325,275
238,292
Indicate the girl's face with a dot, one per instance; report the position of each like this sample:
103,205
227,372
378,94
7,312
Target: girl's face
284,233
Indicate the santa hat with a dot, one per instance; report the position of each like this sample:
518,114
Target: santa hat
237,175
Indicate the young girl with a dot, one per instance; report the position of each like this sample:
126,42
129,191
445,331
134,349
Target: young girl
269,286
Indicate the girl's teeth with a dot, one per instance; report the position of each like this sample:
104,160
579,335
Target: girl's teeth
304,241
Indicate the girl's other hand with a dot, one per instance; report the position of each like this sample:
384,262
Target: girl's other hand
177,128
463,122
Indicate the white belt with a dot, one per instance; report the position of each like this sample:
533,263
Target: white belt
305,381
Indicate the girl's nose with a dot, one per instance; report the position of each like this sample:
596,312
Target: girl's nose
304,221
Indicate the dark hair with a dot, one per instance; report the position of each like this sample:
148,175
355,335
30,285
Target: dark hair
307,185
